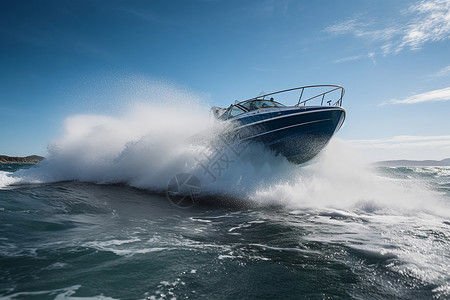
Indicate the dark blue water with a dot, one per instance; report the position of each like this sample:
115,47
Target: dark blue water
80,240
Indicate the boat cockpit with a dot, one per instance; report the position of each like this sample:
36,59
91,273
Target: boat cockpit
330,94
246,106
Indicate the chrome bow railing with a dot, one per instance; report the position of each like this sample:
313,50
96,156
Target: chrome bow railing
331,94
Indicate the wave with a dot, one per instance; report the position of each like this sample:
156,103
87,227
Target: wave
148,144
63,294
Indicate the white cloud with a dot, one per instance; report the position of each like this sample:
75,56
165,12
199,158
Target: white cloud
431,96
350,58
362,30
405,147
432,24
351,25
423,22
442,72
369,55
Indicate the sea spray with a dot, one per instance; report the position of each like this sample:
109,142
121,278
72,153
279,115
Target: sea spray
151,141
339,178
143,148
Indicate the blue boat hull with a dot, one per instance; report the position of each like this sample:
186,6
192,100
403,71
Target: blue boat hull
299,134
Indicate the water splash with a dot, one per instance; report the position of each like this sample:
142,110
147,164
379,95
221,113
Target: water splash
340,179
147,144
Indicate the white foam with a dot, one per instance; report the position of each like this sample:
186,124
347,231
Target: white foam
6,179
59,294
339,180
128,247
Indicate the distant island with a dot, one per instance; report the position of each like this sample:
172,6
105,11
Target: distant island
414,163
32,159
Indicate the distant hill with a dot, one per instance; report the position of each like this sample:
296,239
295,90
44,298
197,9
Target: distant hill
32,159
414,163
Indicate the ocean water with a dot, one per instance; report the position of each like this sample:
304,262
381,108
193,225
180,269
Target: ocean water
81,240
126,207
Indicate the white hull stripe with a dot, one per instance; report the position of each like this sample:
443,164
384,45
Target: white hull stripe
278,129
285,116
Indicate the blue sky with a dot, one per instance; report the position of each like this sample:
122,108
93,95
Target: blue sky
59,58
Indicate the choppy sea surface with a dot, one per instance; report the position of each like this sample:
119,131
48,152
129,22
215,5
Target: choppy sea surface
82,240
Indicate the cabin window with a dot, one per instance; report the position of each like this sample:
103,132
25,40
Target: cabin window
257,104
236,111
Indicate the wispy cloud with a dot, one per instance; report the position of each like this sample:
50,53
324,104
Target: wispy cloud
431,96
442,72
346,26
350,58
362,29
422,22
431,24
370,55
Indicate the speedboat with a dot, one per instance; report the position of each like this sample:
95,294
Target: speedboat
298,132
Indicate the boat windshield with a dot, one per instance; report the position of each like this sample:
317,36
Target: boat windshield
258,103
236,111
249,105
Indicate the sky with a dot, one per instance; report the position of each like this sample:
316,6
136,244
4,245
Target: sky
61,58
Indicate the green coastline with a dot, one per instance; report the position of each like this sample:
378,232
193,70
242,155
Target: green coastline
31,159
